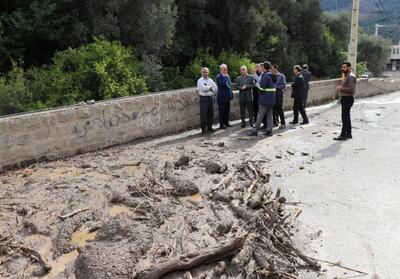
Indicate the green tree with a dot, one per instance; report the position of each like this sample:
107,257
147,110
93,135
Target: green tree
101,70
375,52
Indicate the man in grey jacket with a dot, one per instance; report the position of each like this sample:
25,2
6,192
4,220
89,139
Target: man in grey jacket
245,84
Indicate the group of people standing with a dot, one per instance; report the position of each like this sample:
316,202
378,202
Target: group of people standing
261,95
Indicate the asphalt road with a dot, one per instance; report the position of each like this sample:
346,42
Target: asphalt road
352,188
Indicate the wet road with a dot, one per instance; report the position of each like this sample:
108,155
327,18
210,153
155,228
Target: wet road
352,188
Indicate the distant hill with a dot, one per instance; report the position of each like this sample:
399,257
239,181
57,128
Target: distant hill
370,15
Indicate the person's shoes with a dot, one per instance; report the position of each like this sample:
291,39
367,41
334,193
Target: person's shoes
305,122
204,132
294,122
243,125
268,134
251,125
282,127
229,125
253,133
211,130
349,136
263,127
341,138
276,125
222,127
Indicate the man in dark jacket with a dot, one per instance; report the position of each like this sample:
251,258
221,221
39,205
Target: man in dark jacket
280,90
298,94
224,96
347,91
266,101
307,78
245,84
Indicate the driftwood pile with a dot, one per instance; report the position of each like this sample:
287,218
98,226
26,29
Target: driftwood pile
262,245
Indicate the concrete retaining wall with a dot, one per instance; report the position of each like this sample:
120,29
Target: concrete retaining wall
63,132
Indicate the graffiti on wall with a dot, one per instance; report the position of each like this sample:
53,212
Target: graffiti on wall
147,118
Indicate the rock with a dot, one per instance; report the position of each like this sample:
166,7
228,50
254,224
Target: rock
282,200
182,161
278,157
22,211
302,167
290,151
85,166
221,144
212,168
187,275
304,153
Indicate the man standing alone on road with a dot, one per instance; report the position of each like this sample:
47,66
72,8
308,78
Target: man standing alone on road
280,90
206,88
266,101
307,78
347,91
245,84
224,96
298,94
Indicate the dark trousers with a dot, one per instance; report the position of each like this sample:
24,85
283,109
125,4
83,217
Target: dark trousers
305,99
278,108
224,110
249,105
347,102
298,106
256,106
206,112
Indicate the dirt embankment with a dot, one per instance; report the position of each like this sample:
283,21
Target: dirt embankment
173,211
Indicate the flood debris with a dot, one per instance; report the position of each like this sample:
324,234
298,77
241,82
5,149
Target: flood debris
169,216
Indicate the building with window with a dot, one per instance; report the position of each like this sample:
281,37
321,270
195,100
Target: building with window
394,62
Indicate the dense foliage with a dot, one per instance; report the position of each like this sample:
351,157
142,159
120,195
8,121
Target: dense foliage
375,51
97,71
49,54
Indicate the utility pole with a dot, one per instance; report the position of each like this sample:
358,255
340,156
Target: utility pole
352,54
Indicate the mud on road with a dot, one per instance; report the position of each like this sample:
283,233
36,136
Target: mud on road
127,212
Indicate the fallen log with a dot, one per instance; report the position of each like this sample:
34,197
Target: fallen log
190,261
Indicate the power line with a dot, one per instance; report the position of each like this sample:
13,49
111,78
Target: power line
383,8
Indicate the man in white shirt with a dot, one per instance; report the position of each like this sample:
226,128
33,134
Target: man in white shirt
206,88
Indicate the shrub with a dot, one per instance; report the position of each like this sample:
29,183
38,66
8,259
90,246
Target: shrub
14,94
101,70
